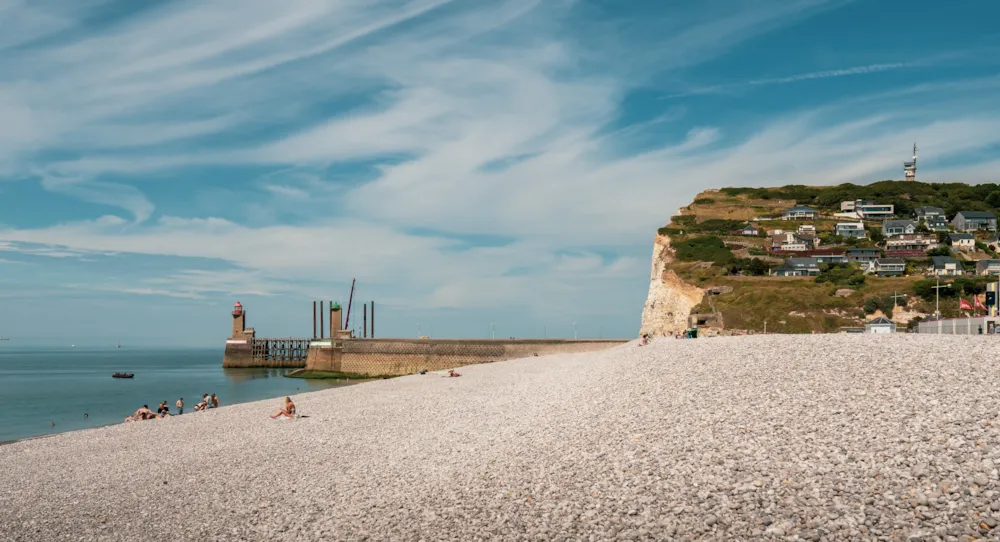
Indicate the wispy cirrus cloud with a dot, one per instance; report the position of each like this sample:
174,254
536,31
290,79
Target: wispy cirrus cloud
455,155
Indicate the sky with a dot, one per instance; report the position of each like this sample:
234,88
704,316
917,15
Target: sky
480,168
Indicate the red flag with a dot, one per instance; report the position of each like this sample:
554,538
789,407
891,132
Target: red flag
979,304
964,306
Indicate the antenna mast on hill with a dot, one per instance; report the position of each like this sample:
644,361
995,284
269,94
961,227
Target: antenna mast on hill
910,168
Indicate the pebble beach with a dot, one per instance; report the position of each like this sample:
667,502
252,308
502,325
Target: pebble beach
778,437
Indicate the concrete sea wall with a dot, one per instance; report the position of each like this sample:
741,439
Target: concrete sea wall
407,356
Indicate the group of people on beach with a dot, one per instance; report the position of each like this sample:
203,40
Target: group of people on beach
163,411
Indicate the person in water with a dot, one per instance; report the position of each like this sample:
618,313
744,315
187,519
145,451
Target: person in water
180,406
288,410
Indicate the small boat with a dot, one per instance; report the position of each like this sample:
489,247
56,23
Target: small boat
123,375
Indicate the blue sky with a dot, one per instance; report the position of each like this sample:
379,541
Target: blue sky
469,162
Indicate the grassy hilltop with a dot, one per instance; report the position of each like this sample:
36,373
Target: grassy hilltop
736,269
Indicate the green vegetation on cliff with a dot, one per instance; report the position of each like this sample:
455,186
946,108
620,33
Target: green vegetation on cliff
710,252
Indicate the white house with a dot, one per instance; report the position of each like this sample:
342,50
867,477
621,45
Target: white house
867,209
886,267
945,266
850,229
962,241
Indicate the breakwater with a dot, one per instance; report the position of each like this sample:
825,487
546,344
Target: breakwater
406,356
370,356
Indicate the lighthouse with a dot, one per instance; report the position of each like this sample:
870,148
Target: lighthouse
910,168
239,320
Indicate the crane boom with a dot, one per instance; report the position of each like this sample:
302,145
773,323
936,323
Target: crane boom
347,323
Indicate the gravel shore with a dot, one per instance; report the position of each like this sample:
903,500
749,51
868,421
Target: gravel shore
823,437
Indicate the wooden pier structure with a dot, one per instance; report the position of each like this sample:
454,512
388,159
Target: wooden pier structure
281,351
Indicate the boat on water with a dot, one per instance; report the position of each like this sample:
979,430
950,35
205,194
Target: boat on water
123,375
118,344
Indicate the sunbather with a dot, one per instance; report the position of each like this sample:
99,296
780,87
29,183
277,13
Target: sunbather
288,410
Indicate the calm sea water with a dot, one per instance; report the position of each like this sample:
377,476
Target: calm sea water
41,386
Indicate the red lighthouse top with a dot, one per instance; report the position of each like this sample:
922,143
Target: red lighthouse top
237,309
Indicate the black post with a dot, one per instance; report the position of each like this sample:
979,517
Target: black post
364,313
314,319
373,319
321,320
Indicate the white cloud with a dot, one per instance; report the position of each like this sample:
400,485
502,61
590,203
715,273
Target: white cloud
478,120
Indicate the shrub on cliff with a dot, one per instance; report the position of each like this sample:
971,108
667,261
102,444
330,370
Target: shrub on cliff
841,275
707,248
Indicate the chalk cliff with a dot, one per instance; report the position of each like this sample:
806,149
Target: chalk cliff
670,299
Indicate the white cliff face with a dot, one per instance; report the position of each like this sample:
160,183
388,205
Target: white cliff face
670,299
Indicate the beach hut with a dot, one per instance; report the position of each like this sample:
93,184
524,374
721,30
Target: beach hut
880,325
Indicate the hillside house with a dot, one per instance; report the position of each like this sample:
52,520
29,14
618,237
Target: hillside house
911,243
862,255
962,241
806,229
968,221
988,267
799,212
868,210
938,224
749,230
811,240
945,266
798,267
855,230
923,214
830,255
788,242
892,228
880,324
886,267
994,242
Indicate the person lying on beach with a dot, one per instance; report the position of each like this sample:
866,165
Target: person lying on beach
203,403
451,372
288,410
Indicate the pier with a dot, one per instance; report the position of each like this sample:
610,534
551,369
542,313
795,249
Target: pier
342,351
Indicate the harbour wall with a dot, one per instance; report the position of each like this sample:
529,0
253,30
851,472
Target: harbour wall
385,357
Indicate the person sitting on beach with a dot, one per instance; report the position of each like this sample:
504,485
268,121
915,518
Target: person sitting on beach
288,410
451,372
215,401
163,408
203,404
644,340
180,406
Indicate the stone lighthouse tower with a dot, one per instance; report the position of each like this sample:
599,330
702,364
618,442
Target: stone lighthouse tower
239,321
240,330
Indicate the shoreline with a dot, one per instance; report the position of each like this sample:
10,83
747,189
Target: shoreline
333,385
730,438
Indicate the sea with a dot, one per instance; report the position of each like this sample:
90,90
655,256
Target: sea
52,390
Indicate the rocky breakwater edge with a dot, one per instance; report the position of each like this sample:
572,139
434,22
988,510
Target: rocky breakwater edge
821,437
